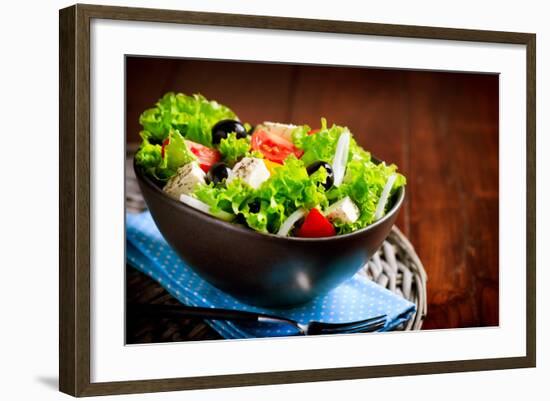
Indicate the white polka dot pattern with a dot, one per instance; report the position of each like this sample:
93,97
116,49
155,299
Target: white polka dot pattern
356,299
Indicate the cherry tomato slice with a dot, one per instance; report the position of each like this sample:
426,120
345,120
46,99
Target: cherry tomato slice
273,147
316,225
206,156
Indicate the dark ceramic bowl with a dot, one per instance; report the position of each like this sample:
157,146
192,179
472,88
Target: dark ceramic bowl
262,269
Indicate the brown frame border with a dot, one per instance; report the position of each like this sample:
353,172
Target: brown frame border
74,199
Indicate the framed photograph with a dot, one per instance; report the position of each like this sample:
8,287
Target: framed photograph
249,200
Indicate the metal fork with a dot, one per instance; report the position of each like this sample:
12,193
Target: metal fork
177,311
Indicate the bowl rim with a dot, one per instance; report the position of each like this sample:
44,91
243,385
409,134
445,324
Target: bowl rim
253,233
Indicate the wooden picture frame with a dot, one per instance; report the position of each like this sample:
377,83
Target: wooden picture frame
75,207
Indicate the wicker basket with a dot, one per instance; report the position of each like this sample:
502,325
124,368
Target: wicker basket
396,266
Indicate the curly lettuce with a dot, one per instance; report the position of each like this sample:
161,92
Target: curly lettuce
364,183
149,156
233,148
321,145
193,116
265,208
290,188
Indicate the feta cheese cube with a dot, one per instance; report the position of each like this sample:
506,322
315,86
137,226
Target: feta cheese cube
185,180
344,211
251,170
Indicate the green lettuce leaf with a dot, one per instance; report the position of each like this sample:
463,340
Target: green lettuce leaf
229,198
233,148
151,159
363,183
176,153
149,156
322,144
288,189
193,116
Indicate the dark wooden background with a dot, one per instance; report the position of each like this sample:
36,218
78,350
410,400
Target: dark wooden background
441,129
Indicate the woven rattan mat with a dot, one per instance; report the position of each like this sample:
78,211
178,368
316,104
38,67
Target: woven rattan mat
395,266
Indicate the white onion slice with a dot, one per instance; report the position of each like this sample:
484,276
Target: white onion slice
384,197
290,221
203,207
341,158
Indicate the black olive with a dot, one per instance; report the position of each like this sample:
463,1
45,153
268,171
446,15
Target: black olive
217,173
224,127
240,219
254,206
313,167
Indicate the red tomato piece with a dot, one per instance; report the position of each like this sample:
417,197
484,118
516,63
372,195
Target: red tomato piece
314,131
274,147
316,225
164,144
206,156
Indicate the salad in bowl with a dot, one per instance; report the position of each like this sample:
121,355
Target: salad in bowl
274,178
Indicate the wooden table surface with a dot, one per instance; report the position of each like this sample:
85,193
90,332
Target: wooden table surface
441,129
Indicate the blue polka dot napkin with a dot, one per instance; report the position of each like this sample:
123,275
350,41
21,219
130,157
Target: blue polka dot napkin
356,299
